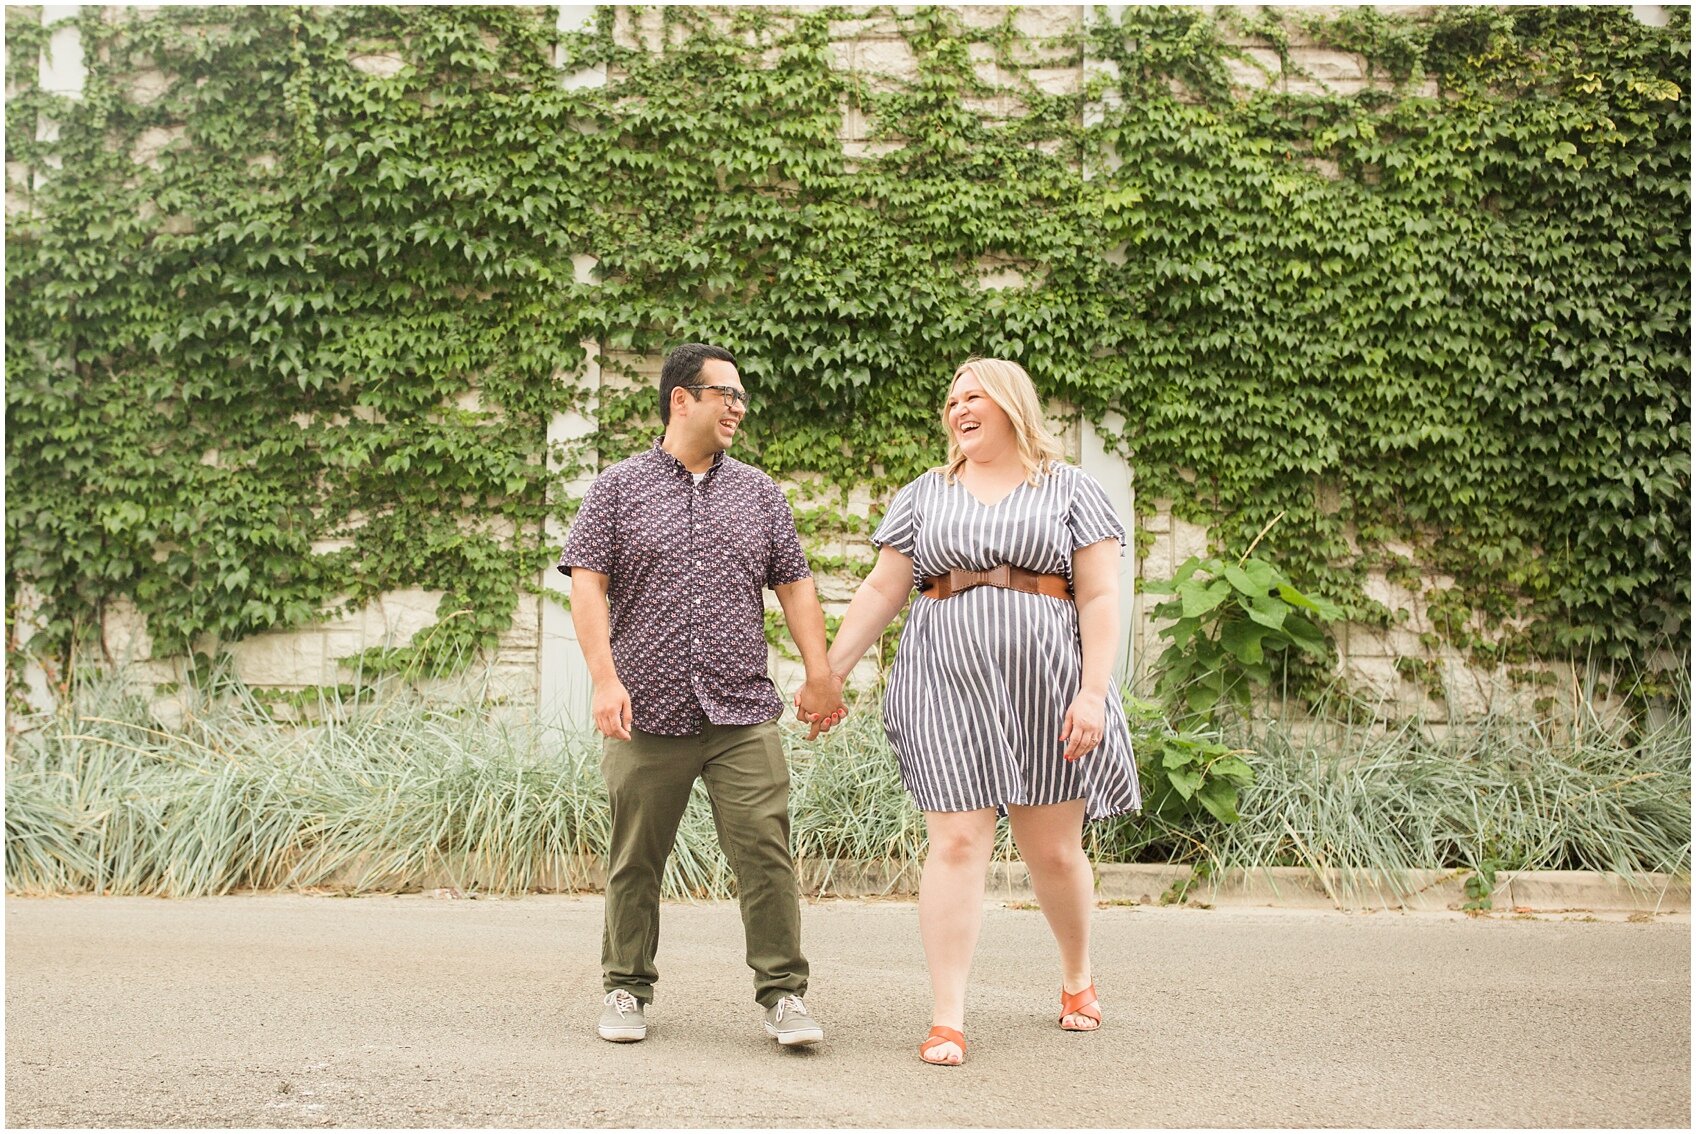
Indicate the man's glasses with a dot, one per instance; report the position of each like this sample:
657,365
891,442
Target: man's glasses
732,396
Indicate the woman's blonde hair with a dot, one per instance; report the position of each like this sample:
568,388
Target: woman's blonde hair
1009,387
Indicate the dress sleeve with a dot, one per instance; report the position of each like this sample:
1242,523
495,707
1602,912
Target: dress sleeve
900,525
593,536
1091,518
787,563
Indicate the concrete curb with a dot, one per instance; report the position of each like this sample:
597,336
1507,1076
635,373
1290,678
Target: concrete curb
1282,887
1294,887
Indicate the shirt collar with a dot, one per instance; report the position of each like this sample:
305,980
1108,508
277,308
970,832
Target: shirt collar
678,467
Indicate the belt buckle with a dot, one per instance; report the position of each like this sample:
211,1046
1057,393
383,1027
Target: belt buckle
961,580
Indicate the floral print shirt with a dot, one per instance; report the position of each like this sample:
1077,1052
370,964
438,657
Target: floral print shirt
687,562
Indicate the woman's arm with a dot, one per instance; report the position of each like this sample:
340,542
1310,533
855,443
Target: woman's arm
1095,589
880,598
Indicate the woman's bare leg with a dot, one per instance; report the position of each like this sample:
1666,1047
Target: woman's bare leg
951,910
1050,840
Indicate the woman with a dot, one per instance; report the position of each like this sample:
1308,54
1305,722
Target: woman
1001,698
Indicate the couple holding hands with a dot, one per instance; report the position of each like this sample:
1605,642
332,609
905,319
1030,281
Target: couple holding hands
1000,699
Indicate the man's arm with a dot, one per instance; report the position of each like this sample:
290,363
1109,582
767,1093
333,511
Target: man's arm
820,699
611,704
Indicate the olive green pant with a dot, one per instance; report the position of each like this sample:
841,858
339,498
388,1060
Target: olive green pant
649,778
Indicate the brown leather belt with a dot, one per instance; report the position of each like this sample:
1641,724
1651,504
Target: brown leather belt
1001,575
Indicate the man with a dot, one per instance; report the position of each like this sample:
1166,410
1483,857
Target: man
681,540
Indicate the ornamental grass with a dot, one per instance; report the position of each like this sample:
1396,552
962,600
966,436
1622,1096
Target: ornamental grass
1364,804
387,791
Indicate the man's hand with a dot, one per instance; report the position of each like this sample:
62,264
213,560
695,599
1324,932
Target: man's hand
611,708
819,702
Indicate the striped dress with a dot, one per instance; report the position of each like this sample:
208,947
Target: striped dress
982,680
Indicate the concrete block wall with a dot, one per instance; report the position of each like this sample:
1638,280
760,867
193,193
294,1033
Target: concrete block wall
537,663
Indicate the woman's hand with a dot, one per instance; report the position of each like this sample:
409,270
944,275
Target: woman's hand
1086,721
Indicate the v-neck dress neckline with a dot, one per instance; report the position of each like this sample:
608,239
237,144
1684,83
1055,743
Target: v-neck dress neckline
1002,499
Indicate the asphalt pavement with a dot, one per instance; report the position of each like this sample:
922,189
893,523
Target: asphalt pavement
417,1011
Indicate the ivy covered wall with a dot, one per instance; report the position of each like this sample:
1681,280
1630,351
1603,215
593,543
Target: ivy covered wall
294,293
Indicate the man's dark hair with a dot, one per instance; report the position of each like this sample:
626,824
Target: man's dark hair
683,368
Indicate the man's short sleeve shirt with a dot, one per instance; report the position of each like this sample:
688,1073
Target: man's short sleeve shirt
686,566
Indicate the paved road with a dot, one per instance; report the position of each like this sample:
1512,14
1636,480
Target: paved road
291,1010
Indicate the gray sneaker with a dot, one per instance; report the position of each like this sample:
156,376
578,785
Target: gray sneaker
787,1022
622,1020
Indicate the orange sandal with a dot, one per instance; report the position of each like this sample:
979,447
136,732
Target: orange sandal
1079,1004
940,1035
